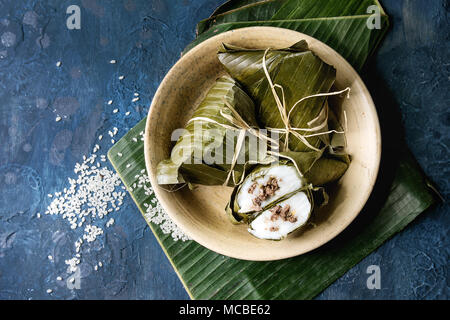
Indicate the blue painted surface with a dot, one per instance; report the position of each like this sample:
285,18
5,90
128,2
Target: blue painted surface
146,37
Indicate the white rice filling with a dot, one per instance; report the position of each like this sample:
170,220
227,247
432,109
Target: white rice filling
264,228
288,181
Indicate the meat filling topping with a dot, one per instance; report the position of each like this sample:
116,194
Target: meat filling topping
282,212
266,191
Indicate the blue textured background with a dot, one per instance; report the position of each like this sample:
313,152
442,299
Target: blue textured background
146,37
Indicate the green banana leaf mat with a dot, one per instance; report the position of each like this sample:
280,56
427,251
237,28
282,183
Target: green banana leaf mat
400,195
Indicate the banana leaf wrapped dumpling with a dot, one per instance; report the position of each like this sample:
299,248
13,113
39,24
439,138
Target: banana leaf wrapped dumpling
267,184
204,152
275,200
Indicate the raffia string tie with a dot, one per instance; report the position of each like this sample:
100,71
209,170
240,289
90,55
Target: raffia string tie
285,116
238,123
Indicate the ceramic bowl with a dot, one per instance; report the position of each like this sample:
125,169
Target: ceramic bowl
200,212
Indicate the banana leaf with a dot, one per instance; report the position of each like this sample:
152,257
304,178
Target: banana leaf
327,170
248,11
348,35
284,10
200,154
234,4
300,73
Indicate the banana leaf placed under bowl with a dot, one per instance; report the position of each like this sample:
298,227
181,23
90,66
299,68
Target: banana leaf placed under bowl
200,212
